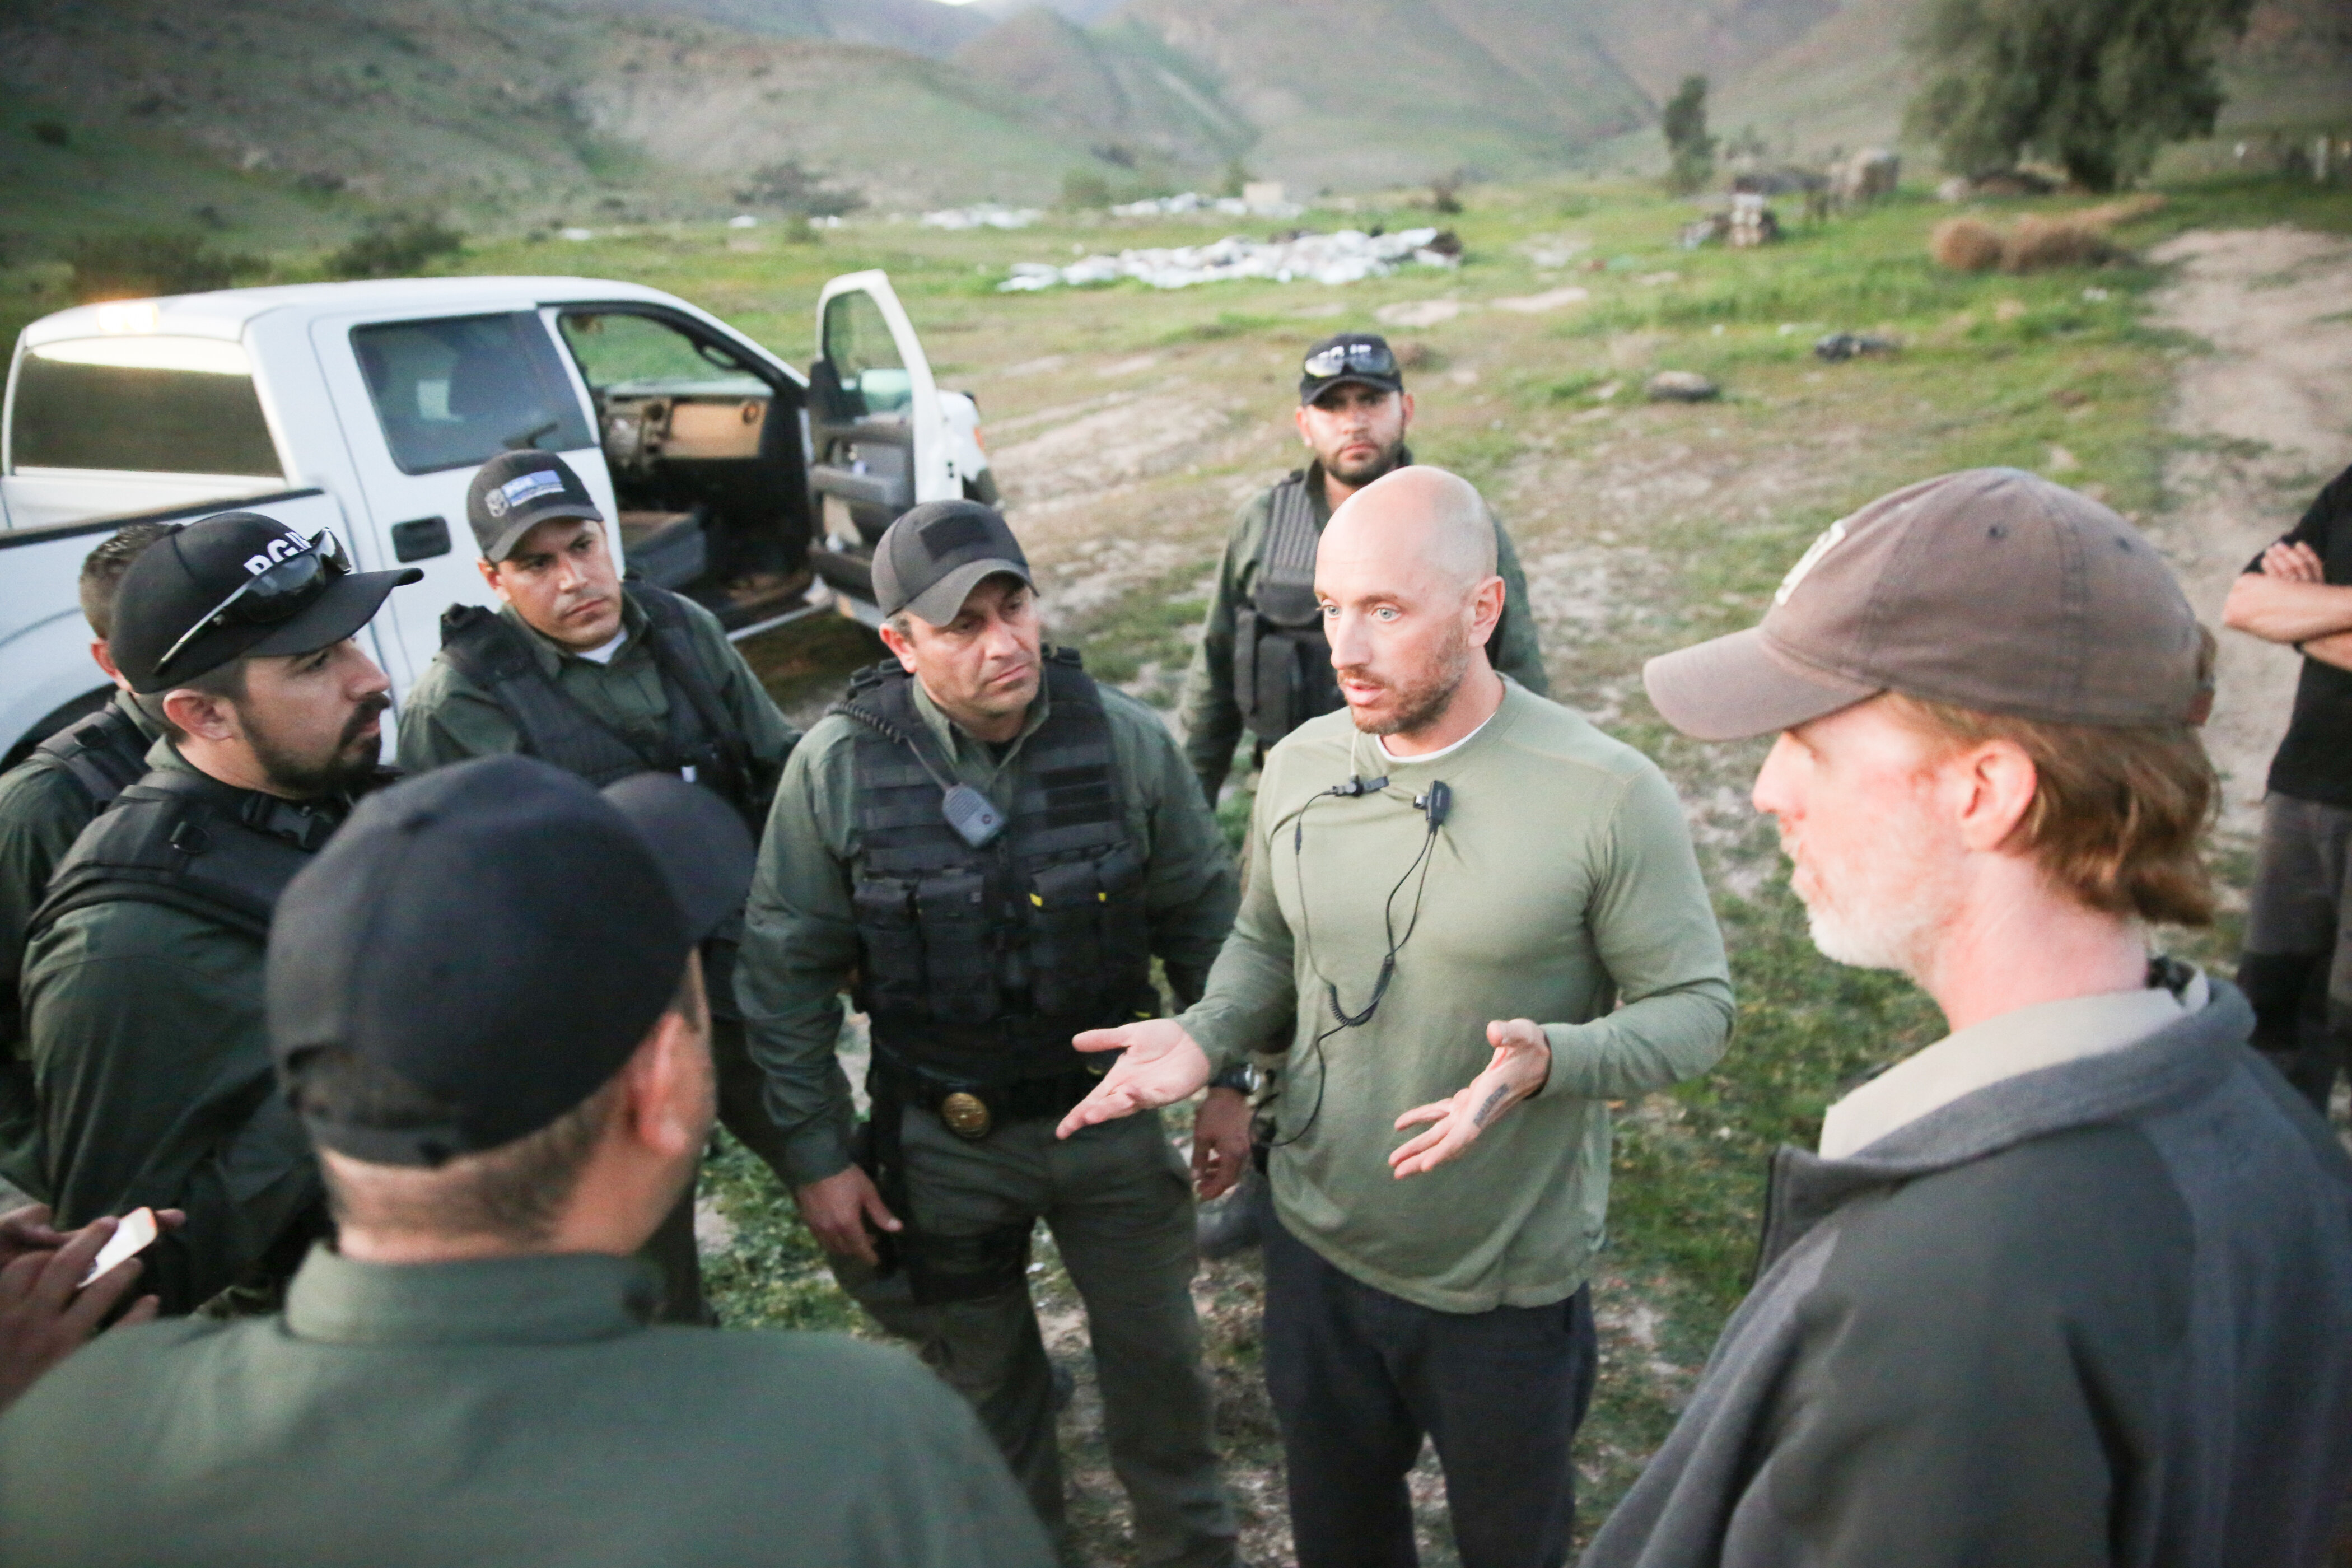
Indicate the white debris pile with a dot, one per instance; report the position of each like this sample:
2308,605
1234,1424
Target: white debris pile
987,215
1252,204
1348,256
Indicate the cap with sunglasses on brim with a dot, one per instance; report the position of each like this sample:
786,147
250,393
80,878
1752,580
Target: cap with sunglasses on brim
1364,358
498,936
238,585
1991,589
930,560
514,492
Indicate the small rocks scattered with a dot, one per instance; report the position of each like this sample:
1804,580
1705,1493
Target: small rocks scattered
1837,347
1681,387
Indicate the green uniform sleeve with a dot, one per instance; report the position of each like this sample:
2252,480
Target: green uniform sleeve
1212,719
1654,930
1253,990
1515,653
766,732
156,1087
1190,888
446,719
800,941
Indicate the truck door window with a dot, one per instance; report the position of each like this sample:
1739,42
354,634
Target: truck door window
873,379
147,404
458,390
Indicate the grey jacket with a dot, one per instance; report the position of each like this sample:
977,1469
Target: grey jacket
2100,1313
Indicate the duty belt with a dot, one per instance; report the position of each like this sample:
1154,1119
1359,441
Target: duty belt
973,1111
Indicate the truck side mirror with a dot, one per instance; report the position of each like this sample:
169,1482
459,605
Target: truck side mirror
833,403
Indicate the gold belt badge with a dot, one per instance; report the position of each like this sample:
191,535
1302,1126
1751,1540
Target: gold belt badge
966,1115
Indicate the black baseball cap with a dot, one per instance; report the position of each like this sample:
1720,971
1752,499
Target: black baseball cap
238,585
1362,357
932,559
514,492
498,936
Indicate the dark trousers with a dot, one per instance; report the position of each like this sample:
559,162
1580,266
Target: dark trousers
1358,1376
743,1111
2297,967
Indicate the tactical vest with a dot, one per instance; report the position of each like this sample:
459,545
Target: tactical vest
1282,660
104,753
701,742
189,842
978,964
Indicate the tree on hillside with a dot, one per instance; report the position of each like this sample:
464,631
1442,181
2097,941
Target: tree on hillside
2096,86
1690,150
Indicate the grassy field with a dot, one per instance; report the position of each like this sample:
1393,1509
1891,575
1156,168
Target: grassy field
1127,425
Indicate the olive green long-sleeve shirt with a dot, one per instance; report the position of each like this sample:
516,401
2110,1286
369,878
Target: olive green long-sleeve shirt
43,809
151,1063
1562,882
447,719
516,1412
1213,715
800,940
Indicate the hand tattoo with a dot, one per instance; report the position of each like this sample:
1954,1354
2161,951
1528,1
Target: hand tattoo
1495,1099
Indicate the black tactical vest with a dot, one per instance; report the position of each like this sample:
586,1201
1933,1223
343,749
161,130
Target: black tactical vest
702,743
978,965
189,842
104,753
1282,660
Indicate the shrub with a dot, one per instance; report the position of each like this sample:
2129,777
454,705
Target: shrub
795,189
1084,190
52,133
140,262
398,246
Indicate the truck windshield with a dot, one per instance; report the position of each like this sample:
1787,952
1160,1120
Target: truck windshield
141,404
452,391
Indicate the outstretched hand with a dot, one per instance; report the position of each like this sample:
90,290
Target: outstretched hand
1521,1062
1163,1065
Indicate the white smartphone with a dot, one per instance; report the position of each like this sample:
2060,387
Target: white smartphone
133,1235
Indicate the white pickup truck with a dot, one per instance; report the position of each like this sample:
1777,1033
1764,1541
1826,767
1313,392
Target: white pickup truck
366,407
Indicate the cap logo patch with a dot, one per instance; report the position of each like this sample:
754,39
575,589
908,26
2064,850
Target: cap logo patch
948,534
283,546
516,491
1830,539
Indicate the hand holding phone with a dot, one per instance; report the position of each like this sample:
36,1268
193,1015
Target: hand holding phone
133,1235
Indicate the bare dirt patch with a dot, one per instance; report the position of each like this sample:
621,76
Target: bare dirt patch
2263,420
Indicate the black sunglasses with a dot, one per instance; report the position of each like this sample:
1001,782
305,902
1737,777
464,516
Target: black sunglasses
277,594
1368,359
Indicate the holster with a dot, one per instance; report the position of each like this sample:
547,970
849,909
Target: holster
939,1268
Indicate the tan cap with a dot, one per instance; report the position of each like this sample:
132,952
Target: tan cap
1991,589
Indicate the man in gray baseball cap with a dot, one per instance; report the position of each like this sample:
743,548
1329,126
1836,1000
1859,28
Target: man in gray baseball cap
990,848
2074,1284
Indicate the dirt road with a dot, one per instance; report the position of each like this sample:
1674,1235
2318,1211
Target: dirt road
2264,420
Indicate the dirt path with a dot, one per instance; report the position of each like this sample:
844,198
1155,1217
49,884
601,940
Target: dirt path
2265,420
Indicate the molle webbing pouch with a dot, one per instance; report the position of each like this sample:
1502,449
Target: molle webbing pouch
942,1269
1282,660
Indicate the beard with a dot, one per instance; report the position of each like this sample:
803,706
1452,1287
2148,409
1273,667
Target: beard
1418,703
351,764
1886,918
1376,466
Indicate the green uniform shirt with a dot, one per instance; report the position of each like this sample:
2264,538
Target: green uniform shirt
1562,882
43,809
1213,717
802,937
447,719
151,1063
499,1414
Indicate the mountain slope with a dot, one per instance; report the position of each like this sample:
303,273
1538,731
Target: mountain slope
1116,87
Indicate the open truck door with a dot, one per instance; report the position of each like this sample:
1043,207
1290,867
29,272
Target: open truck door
878,432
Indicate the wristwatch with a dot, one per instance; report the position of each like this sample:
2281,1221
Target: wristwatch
1239,1077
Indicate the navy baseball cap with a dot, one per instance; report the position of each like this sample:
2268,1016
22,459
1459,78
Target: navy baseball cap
1362,357
498,936
514,492
239,585
930,560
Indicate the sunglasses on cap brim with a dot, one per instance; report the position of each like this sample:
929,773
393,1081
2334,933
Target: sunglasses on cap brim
275,594
1364,359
